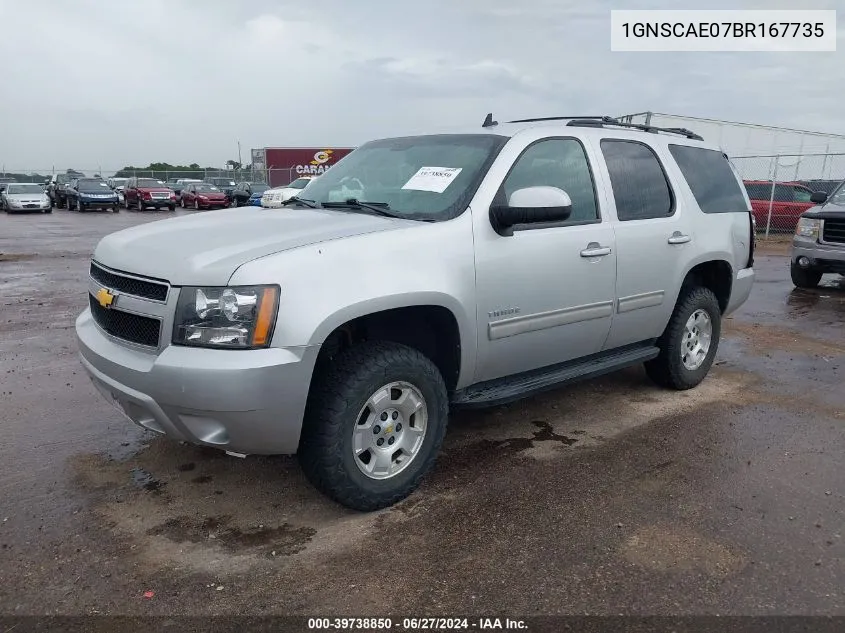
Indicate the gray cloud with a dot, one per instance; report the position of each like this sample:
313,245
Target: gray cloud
96,83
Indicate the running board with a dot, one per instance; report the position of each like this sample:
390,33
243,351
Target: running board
510,388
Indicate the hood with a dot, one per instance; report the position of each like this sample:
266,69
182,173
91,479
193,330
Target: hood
206,248
831,211
26,197
104,191
210,194
154,189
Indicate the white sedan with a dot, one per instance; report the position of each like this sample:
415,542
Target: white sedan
273,198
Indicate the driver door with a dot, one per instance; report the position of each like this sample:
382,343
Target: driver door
545,293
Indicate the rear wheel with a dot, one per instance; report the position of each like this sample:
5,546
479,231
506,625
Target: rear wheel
689,343
375,421
804,277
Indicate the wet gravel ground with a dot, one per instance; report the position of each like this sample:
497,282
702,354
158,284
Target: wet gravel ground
607,497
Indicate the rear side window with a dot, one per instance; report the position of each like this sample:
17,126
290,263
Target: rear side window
757,191
639,184
711,179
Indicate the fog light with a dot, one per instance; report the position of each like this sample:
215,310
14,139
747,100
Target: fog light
803,262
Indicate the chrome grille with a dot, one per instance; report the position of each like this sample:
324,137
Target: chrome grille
129,285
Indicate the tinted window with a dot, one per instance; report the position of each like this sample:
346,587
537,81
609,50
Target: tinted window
559,163
259,188
31,189
801,195
783,193
758,191
710,178
637,179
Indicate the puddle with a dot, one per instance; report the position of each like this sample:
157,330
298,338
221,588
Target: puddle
142,479
284,540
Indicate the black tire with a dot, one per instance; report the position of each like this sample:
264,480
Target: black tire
140,204
340,390
196,205
125,202
804,277
182,202
171,207
668,369
115,209
50,210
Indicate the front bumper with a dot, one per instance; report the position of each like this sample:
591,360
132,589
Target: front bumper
741,289
158,202
98,204
250,401
828,258
30,208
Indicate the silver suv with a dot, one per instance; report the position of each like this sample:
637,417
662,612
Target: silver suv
819,243
416,275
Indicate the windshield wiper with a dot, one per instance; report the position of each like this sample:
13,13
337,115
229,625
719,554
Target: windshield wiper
379,208
303,201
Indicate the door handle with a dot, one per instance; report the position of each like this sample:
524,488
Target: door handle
594,249
679,238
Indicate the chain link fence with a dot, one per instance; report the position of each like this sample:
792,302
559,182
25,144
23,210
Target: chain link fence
41,175
780,186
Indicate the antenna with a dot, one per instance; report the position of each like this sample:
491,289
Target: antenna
488,121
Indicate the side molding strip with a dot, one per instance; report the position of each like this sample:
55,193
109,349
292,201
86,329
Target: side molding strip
552,318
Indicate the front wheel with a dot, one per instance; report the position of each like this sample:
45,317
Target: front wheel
375,420
171,207
196,205
804,277
689,343
115,209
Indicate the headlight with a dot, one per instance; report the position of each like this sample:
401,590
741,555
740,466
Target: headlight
807,227
14,203
240,317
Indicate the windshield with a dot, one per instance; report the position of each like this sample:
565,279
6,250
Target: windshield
207,188
299,183
421,177
92,185
150,183
24,189
259,189
838,196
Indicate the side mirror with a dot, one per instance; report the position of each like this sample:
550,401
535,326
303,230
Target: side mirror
818,197
531,205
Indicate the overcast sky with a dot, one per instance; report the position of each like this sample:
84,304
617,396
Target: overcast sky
97,84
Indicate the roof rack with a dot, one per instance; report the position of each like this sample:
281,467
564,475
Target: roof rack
603,121
609,121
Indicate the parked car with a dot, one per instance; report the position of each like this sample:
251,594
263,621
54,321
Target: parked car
201,195
273,198
148,193
21,197
790,200
56,188
118,185
179,184
818,246
86,194
534,254
243,191
256,195
226,185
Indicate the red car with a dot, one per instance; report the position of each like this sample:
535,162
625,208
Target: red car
201,195
145,193
790,200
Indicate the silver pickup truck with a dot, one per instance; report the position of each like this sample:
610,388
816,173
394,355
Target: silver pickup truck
418,274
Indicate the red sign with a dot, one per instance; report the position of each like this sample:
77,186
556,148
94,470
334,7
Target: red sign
286,164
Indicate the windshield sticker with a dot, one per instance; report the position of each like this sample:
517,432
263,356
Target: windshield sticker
434,179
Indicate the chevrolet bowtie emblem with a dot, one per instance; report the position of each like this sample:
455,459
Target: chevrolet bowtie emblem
105,298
